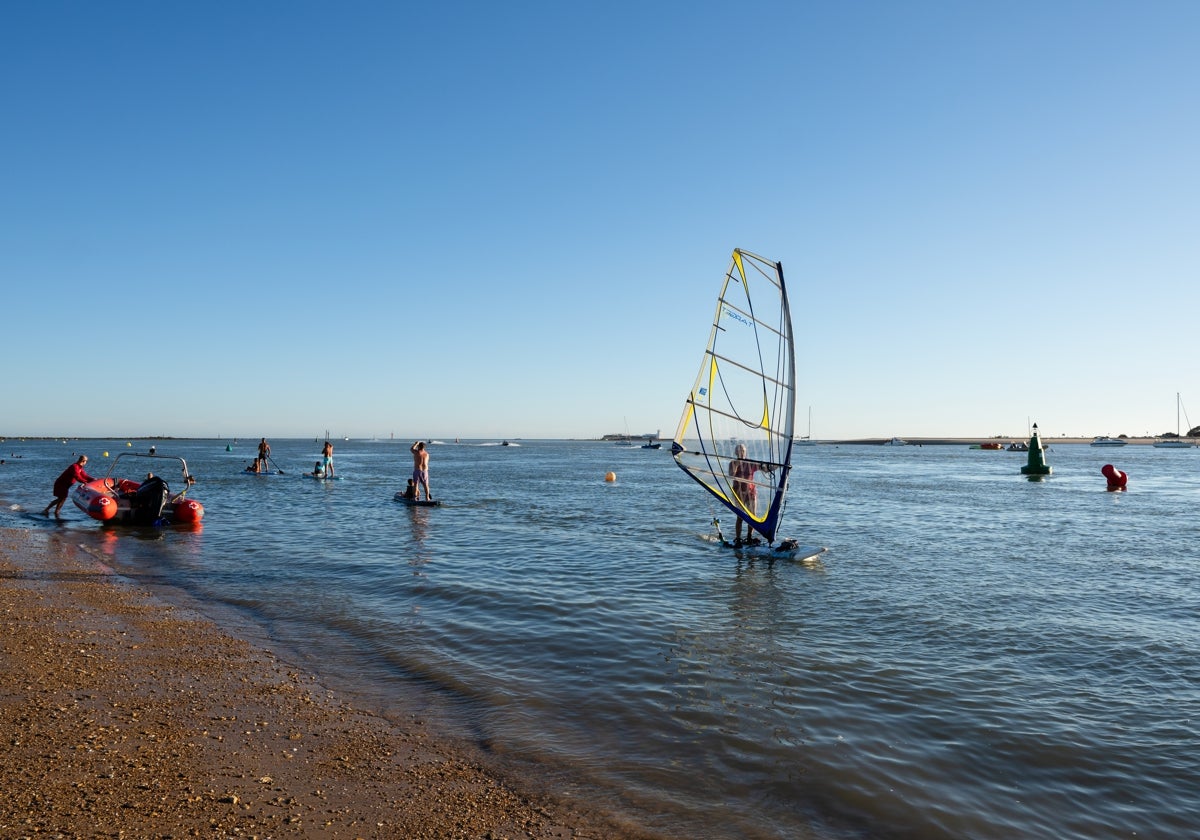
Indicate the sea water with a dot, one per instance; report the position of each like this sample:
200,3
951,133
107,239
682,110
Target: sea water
977,655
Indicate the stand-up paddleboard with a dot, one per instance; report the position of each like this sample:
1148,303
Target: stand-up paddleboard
400,497
323,477
736,434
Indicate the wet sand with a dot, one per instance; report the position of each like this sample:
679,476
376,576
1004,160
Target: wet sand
124,716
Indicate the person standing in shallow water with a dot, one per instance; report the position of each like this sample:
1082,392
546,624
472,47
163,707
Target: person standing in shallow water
327,458
421,467
62,485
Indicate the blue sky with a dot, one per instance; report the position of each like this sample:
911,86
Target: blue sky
511,220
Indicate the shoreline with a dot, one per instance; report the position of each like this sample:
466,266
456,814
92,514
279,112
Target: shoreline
127,715
927,440
972,441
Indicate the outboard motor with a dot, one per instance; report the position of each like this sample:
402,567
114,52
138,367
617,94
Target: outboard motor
149,500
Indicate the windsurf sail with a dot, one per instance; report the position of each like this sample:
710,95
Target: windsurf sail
735,436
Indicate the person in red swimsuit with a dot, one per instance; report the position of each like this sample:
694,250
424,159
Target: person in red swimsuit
742,472
62,486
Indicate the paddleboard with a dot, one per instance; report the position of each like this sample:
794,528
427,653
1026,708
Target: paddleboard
418,502
323,477
780,551
784,550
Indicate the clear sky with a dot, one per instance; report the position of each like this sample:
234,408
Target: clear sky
486,219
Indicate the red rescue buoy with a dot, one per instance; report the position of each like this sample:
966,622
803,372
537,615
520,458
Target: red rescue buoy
1116,479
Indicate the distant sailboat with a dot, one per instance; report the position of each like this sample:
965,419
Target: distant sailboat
1177,442
807,439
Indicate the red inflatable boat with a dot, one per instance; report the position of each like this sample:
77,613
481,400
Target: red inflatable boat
146,502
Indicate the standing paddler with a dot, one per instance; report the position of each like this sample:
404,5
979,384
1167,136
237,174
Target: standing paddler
421,467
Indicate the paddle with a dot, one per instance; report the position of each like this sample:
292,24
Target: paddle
276,466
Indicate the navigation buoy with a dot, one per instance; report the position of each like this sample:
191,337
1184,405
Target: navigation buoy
105,454
228,448
1116,479
610,476
1036,464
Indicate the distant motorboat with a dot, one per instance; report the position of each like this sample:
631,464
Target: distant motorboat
896,442
1107,441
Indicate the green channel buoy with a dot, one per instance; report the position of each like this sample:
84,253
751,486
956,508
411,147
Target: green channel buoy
1036,464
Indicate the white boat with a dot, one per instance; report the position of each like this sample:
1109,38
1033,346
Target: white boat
736,435
807,439
896,442
1177,442
1107,441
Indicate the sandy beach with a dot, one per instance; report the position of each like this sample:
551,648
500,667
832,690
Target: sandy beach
125,716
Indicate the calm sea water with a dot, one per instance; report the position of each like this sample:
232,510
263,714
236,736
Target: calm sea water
977,655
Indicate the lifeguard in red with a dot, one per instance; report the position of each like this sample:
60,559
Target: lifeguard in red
62,485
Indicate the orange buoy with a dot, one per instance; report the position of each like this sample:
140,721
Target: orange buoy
188,510
1116,479
610,476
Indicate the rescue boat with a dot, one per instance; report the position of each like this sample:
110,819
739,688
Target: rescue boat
150,501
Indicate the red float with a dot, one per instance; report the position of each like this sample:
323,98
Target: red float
1116,479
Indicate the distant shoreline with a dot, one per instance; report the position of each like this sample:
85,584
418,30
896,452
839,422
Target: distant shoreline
872,441
974,441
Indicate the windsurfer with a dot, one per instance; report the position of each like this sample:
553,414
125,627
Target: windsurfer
421,467
62,485
742,472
